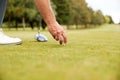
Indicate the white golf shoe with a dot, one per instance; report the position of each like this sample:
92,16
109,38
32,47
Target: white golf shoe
6,40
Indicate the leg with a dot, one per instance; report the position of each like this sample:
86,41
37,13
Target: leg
5,40
3,4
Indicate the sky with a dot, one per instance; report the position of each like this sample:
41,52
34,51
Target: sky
108,7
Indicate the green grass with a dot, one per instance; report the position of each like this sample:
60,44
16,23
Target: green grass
91,54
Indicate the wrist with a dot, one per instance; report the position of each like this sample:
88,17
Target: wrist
52,24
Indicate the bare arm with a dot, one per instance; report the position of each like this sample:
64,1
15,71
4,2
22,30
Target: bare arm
53,26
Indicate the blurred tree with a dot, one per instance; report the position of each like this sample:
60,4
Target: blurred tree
9,13
86,17
24,11
68,12
91,12
29,12
63,9
111,20
108,19
80,12
98,18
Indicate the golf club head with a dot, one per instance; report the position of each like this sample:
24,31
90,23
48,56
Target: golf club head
41,38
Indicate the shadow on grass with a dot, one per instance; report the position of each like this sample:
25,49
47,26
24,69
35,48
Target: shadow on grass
49,45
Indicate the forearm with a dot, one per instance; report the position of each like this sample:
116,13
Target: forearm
46,11
54,28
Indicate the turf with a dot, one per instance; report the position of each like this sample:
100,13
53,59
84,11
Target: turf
91,54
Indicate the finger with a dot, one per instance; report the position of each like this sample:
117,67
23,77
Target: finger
61,40
56,38
64,38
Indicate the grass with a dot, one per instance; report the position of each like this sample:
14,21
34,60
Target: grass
91,54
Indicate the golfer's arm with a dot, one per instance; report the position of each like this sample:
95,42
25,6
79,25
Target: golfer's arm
46,11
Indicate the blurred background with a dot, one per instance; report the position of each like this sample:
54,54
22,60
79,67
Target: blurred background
92,52
80,13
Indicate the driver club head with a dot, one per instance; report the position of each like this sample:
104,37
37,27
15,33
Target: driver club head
41,38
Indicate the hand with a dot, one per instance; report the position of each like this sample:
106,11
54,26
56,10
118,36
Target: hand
58,33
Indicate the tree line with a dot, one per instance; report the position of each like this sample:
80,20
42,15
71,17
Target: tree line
23,13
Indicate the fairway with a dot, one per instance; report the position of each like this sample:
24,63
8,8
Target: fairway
91,54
